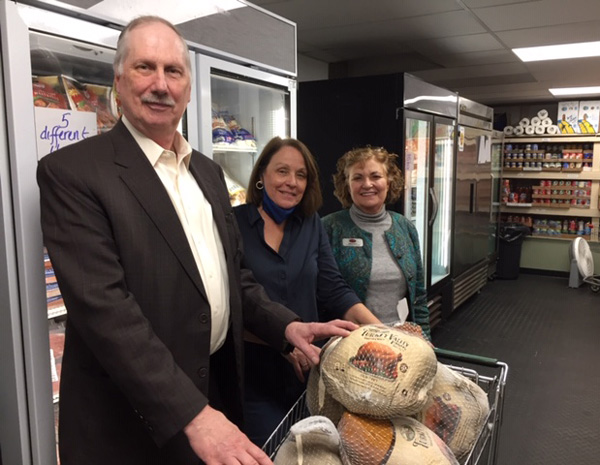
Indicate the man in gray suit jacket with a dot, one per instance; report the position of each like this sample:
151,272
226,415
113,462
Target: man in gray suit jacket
147,254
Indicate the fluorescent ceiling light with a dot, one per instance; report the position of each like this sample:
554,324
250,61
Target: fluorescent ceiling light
175,11
575,90
558,52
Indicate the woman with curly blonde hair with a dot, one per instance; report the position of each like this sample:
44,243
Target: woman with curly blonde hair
377,250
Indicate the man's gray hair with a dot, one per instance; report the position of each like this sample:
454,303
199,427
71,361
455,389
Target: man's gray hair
123,42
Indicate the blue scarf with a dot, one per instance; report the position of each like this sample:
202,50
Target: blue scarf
278,214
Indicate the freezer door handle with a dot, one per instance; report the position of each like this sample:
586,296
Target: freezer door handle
435,203
472,198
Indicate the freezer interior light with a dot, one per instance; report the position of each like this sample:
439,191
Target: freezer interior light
558,52
575,90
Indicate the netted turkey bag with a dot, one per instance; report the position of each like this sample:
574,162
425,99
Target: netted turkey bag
401,440
456,411
379,371
312,441
318,400
412,328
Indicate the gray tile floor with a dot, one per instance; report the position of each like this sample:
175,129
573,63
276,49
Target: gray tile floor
549,335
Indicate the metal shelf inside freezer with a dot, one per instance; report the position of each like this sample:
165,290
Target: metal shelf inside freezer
51,55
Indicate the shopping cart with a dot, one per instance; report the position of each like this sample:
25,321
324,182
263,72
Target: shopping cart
490,374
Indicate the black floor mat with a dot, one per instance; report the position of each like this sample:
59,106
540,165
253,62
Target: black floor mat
549,335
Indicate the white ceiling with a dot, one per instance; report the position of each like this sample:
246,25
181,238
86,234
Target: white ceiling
462,45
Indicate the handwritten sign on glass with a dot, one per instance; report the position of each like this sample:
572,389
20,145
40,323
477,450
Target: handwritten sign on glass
56,128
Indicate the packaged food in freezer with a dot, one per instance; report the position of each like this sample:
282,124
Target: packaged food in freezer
48,92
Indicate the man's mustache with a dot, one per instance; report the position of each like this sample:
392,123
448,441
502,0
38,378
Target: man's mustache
159,99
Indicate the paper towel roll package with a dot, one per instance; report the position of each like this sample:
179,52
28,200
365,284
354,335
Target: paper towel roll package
567,117
589,116
542,114
508,130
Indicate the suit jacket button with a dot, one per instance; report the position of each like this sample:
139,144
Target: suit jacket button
202,372
203,318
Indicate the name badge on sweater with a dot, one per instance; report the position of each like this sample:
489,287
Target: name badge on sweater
352,242
402,309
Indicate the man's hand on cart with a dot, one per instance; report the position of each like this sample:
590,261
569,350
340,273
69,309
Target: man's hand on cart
217,441
300,362
302,335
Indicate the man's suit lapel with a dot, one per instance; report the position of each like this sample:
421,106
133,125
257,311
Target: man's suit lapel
139,175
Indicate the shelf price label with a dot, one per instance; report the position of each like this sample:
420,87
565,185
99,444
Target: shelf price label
56,128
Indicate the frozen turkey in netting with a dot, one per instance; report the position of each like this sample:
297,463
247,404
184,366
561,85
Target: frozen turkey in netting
456,411
401,440
312,441
379,371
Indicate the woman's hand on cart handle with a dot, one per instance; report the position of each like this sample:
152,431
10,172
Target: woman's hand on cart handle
300,362
302,335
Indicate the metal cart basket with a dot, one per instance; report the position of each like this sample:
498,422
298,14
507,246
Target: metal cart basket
490,374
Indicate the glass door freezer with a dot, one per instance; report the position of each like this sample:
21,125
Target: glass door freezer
57,81
428,187
241,110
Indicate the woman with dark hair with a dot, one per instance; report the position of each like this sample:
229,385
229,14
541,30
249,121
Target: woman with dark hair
288,251
377,250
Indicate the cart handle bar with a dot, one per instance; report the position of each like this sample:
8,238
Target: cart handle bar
451,354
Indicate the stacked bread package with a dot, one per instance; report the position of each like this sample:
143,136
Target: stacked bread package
392,403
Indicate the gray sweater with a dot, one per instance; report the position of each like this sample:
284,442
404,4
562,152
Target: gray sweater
387,285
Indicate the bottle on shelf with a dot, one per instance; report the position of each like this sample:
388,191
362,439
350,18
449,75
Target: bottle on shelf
572,227
588,228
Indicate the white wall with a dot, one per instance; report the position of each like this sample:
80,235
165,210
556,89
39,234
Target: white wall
310,69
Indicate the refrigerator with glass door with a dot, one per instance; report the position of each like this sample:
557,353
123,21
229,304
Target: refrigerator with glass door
57,81
429,181
241,109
